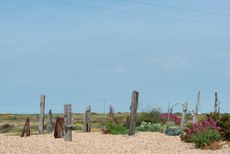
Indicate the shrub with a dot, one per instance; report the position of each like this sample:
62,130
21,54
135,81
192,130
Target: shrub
172,117
115,129
205,138
224,124
153,116
6,128
202,133
173,131
198,127
150,127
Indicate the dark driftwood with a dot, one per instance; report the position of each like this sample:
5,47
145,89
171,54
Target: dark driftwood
59,128
68,122
133,113
26,130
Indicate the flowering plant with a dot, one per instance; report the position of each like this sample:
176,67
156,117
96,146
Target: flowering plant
172,117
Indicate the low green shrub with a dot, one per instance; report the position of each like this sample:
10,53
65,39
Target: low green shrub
148,126
115,129
205,138
152,115
173,131
6,128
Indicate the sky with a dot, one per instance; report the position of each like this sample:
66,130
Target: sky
96,52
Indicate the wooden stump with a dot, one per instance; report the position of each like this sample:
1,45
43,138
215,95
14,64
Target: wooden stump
59,128
26,130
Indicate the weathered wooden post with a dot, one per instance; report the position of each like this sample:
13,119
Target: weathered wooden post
26,130
197,103
168,114
133,113
87,126
111,111
68,122
50,123
216,103
185,108
42,114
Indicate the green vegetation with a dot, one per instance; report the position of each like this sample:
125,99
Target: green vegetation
153,116
207,133
224,124
205,138
116,129
173,131
17,121
156,127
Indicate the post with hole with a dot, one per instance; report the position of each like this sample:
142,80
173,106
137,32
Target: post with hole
133,113
42,114
68,122
185,109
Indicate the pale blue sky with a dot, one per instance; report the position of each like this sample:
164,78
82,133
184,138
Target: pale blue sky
85,51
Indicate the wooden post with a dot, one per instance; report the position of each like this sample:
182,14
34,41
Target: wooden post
50,123
216,103
68,122
26,130
42,114
133,113
168,113
185,108
87,127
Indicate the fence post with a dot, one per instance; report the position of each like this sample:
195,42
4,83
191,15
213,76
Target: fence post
87,126
68,122
50,123
216,103
42,114
185,108
133,113
26,129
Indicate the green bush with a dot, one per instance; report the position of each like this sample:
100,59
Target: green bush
116,129
173,131
150,127
224,124
204,139
153,116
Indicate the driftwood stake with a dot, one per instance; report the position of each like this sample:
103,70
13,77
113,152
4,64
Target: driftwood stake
26,130
216,103
42,114
68,122
50,123
133,113
87,126
185,108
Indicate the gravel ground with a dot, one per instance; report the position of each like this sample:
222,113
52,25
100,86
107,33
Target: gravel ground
97,143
